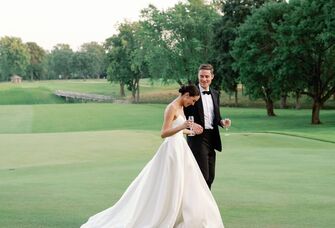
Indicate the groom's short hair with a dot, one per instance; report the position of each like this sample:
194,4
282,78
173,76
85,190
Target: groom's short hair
206,66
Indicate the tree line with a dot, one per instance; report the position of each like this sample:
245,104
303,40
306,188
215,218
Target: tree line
32,62
275,48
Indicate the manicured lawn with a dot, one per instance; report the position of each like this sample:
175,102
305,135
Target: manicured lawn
92,117
41,92
62,163
263,180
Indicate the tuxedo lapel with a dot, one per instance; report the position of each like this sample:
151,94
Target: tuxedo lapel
215,103
200,109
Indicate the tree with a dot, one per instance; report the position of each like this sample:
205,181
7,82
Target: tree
35,69
81,65
307,41
155,50
14,57
255,53
60,64
95,56
126,62
118,66
182,38
234,13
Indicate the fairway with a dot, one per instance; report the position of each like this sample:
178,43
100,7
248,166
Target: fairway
57,171
263,180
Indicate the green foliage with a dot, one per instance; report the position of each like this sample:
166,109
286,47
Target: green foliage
127,64
60,62
14,57
281,49
254,51
234,13
89,61
36,69
182,38
118,64
307,47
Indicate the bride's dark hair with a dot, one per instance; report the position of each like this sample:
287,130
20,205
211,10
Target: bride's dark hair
189,88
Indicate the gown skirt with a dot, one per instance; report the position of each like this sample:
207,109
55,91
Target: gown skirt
169,192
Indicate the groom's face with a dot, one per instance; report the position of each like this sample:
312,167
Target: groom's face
205,78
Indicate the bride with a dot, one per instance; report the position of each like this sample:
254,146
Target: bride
170,191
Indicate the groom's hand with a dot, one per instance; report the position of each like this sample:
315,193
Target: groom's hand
197,128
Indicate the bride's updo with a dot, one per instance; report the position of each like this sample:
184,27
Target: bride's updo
189,88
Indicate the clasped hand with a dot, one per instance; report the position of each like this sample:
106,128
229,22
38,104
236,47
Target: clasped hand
196,128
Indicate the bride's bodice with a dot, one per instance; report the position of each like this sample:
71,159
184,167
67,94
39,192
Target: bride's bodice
178,121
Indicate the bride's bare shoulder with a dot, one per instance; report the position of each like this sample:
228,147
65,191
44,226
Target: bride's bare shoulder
171,110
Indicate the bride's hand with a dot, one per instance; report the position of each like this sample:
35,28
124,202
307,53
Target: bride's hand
187,124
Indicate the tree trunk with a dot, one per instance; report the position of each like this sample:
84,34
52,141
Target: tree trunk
236,96
316,112
283,101
137,91
334,96
297,100
122,92
270,108
133,94
268,101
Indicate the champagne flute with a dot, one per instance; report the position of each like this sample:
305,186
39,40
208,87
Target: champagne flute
226,125
191,119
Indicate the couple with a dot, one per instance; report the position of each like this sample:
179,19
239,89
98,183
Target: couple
171,191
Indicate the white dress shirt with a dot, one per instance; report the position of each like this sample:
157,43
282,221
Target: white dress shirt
207,103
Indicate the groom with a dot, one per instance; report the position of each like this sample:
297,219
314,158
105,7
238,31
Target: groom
207,119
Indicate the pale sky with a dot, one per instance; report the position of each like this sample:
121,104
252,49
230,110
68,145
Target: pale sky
74,22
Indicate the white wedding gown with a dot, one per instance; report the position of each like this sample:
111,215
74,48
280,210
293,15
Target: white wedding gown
170,192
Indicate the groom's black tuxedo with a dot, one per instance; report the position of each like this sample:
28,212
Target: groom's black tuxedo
204,145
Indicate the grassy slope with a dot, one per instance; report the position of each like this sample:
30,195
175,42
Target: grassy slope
41,92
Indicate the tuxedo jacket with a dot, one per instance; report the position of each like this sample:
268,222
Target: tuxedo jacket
197,110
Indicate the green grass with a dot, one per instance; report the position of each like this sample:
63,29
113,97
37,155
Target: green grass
54,180
263,180
61,163
276,181
93,117
19,95
41,92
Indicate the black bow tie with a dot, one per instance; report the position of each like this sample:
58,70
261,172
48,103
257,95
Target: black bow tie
206,92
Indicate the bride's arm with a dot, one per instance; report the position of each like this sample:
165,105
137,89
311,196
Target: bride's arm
167,129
